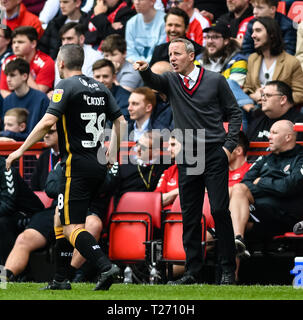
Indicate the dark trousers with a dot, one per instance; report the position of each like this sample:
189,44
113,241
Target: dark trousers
191,190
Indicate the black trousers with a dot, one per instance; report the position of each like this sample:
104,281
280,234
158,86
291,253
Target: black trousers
191,190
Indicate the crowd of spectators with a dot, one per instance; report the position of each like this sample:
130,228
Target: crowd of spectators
255,47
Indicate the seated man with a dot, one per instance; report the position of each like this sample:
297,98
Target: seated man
36,102
14,121
143,170
42,66
142,102
17,204
114,49
104,72
273,185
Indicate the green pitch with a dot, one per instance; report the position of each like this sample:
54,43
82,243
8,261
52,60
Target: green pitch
84,291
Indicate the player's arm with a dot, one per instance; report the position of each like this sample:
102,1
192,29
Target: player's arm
118,131
41,128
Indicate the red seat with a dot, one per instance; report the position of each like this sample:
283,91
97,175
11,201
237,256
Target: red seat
173,250
295,11
132,225
44,198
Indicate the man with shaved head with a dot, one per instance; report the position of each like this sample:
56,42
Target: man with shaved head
273,185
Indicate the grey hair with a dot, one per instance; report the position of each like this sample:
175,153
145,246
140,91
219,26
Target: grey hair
189,47
72,55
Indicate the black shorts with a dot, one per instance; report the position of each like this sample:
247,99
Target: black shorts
43,222
79,196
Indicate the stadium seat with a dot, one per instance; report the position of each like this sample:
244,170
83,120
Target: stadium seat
132,225
295,11
44,198
281,7
172,247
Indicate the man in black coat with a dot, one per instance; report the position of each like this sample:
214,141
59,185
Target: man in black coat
50,42
273,185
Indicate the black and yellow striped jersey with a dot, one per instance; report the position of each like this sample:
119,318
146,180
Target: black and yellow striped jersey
82,105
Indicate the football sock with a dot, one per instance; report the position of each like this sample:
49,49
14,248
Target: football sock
88,247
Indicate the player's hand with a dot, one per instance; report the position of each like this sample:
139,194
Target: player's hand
13,157
140,65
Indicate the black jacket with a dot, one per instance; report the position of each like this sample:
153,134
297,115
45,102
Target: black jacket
281,175
50,42
103,25
15,194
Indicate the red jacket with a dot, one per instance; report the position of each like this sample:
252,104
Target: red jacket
25,18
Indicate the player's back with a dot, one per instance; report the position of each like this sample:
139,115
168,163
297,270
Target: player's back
83,105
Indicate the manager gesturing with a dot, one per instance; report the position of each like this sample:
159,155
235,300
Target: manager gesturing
200,99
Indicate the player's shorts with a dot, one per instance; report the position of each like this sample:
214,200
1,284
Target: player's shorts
77,196
43,222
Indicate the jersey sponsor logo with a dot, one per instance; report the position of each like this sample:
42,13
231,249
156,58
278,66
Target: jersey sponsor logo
236,176
286,169
86,84
264,133
57,95
172,182
94,101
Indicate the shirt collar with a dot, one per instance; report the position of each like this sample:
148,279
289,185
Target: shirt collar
193,76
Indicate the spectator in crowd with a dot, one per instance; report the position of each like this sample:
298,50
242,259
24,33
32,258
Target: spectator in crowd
141,101
17,15
144,169
114,49
238,164
47,160
108,17
104,72
299,44
34,6
5,44
71,12
271,62
42,66
18,203
144,31
240,12
168,183
277,104
36,102
14,121
222,54
268,8
197,22
273,185
211,9
73,32
176,25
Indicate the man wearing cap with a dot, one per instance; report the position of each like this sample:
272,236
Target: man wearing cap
222,54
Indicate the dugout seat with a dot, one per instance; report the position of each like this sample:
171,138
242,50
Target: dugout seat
132,226
44,198
172,247
295,11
